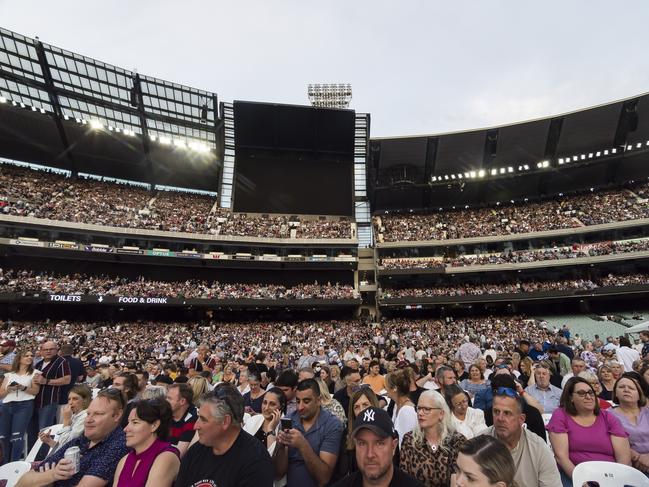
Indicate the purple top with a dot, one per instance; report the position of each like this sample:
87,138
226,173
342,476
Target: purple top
638,433
588,443
135,474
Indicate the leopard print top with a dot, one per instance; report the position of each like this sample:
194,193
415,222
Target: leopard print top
433,469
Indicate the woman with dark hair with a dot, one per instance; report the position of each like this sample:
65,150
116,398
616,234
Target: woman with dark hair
253,399
633,413
485,461
580,431
17,392
264,426
128,384
153,461
465,419
476,382
404,416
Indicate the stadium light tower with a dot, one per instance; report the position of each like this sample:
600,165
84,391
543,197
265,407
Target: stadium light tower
330,95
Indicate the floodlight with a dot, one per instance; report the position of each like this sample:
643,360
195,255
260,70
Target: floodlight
468,175
526,167
590,155
433,179
481,173
96,124
164,140
560,160
446,176
330,95
459,176
452,176
606,152
638,145
598,153
3,99
502,170
614,151
494,172
629,147
472,174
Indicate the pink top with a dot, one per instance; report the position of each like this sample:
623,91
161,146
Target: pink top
135,474
588,443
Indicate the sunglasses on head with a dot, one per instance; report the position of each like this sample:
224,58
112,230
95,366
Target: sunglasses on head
506,391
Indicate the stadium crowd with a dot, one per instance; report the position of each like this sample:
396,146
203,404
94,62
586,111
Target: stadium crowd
446,384
519,286
29,282
561,212
518,256
85,200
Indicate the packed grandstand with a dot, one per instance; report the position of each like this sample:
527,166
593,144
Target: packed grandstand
487,286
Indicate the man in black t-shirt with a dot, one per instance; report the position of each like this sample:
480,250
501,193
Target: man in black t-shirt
375,441
225,455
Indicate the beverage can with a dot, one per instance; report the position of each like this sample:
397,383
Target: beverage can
74,454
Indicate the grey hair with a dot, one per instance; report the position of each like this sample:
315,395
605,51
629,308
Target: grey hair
445,426
154,392
589,375
221,408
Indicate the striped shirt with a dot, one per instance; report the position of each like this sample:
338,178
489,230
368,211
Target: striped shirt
55,369
183,430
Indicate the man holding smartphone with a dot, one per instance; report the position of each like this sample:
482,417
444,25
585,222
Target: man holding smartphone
309,443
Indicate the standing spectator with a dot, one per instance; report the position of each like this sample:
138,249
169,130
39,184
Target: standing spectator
626,354
375,446
202,361
469,352
76,372
308,452
17,392
429,451
535,465
644,337
253,398
55,373
183,416
560,360
7,355
225,454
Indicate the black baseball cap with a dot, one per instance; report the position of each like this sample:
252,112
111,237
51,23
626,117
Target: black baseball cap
376,420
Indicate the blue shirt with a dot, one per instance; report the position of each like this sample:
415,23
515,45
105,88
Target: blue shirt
549,398
99,461
324,436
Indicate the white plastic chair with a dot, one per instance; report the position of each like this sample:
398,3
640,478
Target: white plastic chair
253,423
54,430
11,472
608,474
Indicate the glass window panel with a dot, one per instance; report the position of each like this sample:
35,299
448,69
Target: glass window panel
112,78
81,68
22,49
92,71
85,83
4,57
10,45
101,74
36,68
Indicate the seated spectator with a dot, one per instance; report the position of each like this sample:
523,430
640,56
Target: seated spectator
429,451
592,379
374,378
73,416
264,426
465,420
580,431
183,416
102,446
547,395
404,416
128,384
633,413
199,386
475,382
375,447
535,465
224,454
607,380
485,461
329,403
253,398
17,392
152,460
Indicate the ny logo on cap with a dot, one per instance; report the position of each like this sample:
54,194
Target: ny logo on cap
369,415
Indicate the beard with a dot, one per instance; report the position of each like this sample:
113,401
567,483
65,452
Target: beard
379,474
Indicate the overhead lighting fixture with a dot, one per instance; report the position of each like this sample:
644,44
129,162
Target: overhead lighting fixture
164,140
3,99
598,153
526,167
96,124
503,170
561,160
606,152
481,173
614,151
434,178
472,174
494,172
510,169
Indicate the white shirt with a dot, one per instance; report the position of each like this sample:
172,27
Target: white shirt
405,420
472,425
23,380
627,356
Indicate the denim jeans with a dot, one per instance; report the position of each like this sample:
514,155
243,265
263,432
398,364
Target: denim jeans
565,480
47,416
14,419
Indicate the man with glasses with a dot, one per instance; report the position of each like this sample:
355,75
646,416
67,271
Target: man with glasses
225,455
102,445
543,391
307,452
535,465
55,373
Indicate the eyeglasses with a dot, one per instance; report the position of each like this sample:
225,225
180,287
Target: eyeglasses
583,394
461,403
506,391
425,410
502,366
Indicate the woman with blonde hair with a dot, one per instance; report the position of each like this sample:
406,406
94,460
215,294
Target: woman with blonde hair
199,387
429,452
329,403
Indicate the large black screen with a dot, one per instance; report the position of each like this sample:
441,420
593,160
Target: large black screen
292,159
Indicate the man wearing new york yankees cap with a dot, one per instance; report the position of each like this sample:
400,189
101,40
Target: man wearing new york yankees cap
375,442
